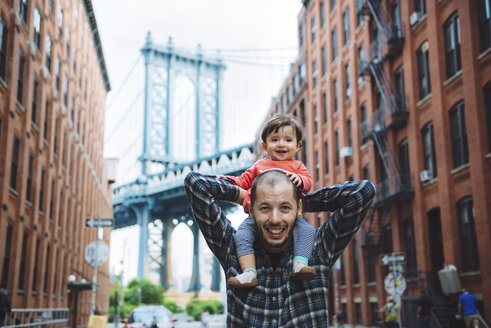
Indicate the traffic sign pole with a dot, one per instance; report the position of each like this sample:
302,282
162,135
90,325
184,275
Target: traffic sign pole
94,281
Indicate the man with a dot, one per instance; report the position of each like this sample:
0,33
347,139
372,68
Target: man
4,307
467,307
278,301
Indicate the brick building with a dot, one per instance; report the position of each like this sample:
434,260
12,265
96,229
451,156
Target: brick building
399,92
53,84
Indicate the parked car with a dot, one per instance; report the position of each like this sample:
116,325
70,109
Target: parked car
150,316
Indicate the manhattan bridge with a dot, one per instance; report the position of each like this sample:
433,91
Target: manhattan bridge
182,119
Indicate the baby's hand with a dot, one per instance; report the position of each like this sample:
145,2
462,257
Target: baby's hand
295,178
219,176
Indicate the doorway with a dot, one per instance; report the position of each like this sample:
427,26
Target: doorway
436,247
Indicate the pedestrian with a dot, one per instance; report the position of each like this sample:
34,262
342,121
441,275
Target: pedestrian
4,307
205,317
467,308
423,316
281,139
390,311
275,204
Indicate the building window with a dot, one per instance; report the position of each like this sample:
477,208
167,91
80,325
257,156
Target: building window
20,78
343,274
451,34
388,239
371,263
294,85
420,6
57,73
423,70
46,122
376,44
356,271
324,59
326,157
487,107
429,158
6,256
399,89
364,123
334,39
48,53
317,166
333,4
322,14
316,120
358,313
60,21
65,91
410,247
347,77
335,94
22,268
404,162
29,179
14,163
313,29
460,152
46,271
55,141
314,73
336,138
484,24
374,314
37,28
300,36
23,10
467,231
324,106
301,73
396,19
349,132
36,268
361,58
3,48
346,36
41,191
34,101
52,201
366,172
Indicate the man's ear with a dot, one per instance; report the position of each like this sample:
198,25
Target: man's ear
251,212
263,144
299,210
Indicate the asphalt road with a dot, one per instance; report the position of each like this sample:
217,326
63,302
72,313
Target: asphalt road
216,321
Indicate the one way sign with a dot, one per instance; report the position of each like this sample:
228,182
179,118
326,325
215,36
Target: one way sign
99,223
392,258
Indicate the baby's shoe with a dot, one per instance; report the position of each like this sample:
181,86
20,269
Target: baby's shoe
302,271
246,279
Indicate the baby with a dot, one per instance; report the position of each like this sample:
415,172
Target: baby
281,139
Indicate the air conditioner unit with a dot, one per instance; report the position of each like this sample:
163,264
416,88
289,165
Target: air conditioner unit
425,175
415,17
346,152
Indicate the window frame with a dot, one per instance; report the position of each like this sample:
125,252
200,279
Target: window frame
451,41
429,155
422,60
346,26
334,42
458,134
14,163
484,12
470,252
3,48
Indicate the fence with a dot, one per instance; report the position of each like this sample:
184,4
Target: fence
52,318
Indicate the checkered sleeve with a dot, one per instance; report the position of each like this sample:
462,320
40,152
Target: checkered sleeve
350,202
203,192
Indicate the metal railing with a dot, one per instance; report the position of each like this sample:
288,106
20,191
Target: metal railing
37,318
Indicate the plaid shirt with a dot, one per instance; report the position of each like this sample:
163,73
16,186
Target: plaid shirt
278,301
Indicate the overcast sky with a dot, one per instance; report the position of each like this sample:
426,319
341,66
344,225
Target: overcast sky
245,31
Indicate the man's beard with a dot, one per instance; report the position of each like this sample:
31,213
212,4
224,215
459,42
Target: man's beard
265,242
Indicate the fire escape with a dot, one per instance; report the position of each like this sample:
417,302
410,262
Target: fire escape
390,114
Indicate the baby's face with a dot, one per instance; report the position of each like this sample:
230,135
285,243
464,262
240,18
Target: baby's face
282,145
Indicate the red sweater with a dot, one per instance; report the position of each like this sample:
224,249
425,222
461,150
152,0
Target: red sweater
293,166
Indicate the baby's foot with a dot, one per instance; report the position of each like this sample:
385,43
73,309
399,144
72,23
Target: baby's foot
246,279
302,272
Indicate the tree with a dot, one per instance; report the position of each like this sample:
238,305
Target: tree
150,293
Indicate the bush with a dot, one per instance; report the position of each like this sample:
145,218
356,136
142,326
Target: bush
172,306
195,307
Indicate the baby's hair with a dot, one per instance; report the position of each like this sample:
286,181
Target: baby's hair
281,120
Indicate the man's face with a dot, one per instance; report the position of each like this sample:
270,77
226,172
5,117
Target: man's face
275,211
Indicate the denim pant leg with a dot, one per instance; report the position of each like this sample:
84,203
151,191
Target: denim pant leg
245,237
303,238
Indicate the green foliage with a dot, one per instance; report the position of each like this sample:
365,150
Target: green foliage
195,307
172,306
150,293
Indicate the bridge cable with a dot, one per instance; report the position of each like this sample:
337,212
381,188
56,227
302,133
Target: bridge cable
124,116
124,81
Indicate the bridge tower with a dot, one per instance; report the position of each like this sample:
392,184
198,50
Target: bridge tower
164,66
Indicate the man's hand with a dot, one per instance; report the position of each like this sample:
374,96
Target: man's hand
295,178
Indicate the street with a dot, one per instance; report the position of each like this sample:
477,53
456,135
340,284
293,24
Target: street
216,321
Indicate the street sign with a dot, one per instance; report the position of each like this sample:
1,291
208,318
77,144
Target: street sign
99,223
395,285
393,258
96,253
